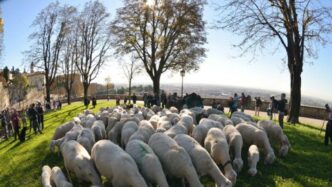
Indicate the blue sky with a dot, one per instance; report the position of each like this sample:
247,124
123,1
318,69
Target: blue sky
221,67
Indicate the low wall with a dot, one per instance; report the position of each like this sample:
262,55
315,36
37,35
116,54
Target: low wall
305,111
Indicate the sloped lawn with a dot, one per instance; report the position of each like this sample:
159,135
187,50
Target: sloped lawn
309,162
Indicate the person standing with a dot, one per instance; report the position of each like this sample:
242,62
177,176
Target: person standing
328,130
134,98
40,118
163,99
258,105
94,102
86,103
242,101
281,106
125,99
4,124
16,123
33,115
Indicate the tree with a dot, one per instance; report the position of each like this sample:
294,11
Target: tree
18,88
130,70
167,35
70,56
296,25
51,28
93,43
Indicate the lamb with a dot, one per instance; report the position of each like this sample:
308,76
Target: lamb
276,135
144,132
88,121
216,144
235,142
218,117
77,160
253,158
116,165
98,129
115,133
46,176
173,118
243,116
237,120
147,162
202,160
59,178
164,124
86,138
186,112
111,123
254,135
70,135
175,160
128,129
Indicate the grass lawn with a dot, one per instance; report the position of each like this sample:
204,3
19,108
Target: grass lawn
309,162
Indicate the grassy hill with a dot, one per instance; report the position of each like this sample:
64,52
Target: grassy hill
307,164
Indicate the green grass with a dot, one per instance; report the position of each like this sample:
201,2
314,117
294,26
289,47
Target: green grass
309,162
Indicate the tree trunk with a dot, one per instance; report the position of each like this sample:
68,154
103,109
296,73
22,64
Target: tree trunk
68,96
85,89
48,92
129,90
295,97
156,87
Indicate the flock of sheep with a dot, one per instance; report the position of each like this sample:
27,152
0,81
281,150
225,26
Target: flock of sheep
143,147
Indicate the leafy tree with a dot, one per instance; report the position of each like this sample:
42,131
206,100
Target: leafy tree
296,25
166,35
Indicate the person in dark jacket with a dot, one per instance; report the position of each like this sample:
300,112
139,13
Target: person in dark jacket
94,102
33,116
163,99
16,123
281,106
86,103
40,118
134,98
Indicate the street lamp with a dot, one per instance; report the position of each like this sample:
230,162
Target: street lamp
182,73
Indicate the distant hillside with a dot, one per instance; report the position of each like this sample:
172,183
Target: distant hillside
218,91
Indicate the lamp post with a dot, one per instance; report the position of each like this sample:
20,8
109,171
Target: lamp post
182,73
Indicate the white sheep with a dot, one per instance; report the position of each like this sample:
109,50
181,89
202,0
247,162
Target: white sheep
111,123
98,128
174,109
187,121
214,111
200,131
175,160
253,158
202,160
219,117
70,135
173,118
276,135
147,162
144,132
190,113
115,133
77,160
59,178
175,130
46,176
62,130
116,165
243,116
237,120
216,144
86,138
128,129
164,124
254,135
154,121
235,143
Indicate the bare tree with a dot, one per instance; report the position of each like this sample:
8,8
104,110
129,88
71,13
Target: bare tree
93,42
297,25
165,35
69,56
51,28
130,70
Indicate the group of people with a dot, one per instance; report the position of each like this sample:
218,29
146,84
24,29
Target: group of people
12,121
242,101
87,102
126,99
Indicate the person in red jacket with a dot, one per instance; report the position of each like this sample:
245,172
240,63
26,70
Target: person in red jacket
16,123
